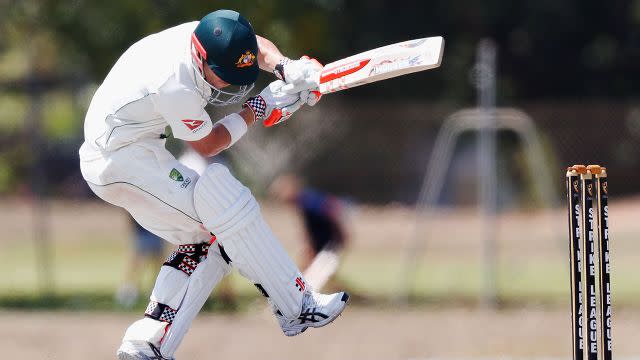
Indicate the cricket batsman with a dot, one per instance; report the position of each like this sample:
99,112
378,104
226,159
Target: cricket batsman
165,81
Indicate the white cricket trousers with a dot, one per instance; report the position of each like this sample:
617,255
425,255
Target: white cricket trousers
155,188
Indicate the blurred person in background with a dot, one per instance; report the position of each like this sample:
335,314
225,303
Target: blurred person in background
167,79
323,216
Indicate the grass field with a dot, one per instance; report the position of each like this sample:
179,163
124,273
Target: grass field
89,247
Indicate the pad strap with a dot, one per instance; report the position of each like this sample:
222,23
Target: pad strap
187,257
198,251
160,312
182,262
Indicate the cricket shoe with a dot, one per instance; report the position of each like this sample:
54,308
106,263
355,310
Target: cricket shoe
139,350
318,310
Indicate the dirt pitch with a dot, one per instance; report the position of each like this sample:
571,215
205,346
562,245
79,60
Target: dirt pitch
359,334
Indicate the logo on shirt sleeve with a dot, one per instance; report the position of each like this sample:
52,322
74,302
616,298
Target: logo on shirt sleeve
193,125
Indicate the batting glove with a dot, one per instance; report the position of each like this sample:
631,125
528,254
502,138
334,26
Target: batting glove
273,106
300,75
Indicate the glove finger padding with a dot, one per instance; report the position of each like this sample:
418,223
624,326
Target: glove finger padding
313,76
302,74
314,97
293,71
289,110
314,93
306,84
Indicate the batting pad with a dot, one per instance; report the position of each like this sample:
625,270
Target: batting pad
168,292
223,204
145,330
170,287
228,210
201,283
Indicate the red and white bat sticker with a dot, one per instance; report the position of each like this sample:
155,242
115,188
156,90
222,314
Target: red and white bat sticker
395,64
342,70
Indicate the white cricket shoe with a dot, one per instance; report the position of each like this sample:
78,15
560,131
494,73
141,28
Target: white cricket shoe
139,350
318,310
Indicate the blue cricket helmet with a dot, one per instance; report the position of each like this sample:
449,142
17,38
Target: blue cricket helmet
225,41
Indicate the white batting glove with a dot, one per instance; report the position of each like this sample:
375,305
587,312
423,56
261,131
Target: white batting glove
300,75
273,106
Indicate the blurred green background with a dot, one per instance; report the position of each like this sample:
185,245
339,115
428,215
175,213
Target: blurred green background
569,64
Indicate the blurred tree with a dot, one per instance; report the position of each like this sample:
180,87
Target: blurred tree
548,49
569,50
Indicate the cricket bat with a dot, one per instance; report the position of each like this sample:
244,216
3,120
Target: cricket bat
378,64
382,63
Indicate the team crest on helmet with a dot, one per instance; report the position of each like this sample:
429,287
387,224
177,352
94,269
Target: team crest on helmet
246,59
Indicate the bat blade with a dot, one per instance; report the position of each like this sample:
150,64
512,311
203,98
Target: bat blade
382,63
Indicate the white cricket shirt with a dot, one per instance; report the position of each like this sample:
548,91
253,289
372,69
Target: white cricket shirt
151,86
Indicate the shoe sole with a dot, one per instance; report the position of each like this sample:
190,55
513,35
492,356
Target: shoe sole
122,355
327,321
127,356
127,353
